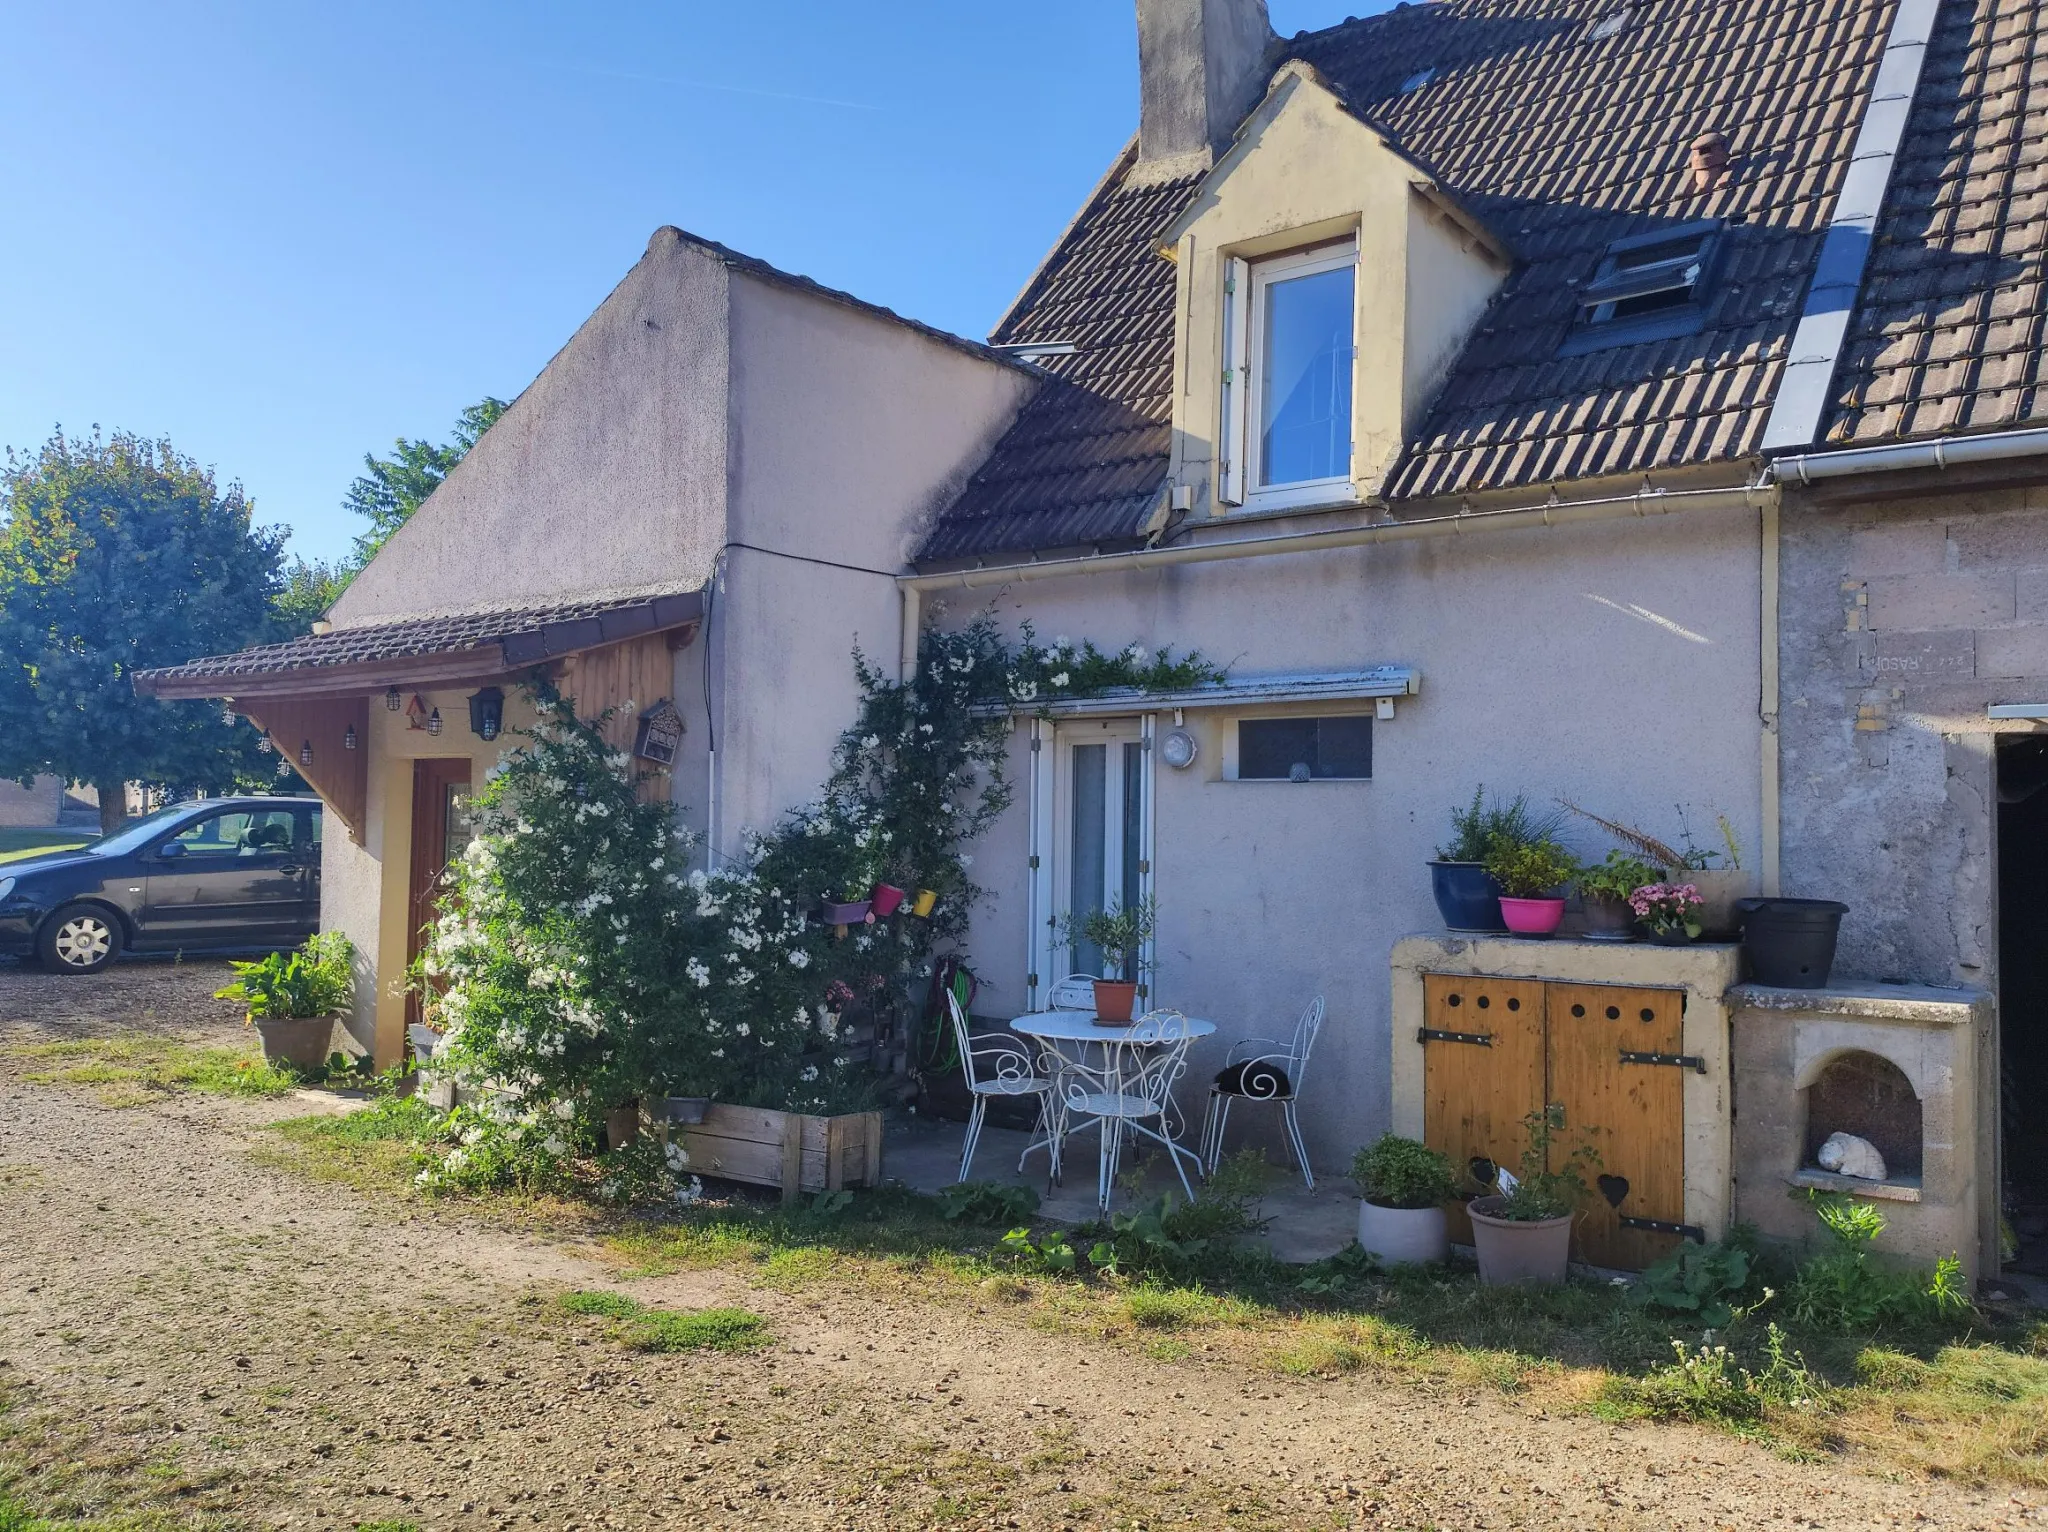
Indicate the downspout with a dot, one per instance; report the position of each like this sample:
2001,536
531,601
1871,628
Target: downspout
1644,503
913,616
1769,857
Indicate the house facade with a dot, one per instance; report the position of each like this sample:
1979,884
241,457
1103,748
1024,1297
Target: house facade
1618,403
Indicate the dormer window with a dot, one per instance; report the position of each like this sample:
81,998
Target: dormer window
1648,287
1290,349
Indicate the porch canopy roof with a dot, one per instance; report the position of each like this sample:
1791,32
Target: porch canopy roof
423,650
1240,691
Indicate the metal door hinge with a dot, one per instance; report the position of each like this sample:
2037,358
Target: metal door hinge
1144,867
1035,743
1034,863
1032,980
1438,1035
1230,375
1691,1231
1690,1061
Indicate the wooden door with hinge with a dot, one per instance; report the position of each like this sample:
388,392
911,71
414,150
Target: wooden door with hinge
1616,1065
1482,1071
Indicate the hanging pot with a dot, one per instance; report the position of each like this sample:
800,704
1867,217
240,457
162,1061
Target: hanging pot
1466,896
1114,1001
927,900
1531,917
849,913
886,898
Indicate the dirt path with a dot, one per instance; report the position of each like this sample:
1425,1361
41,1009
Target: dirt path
304,1356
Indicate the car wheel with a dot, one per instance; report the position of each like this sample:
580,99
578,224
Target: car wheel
80,938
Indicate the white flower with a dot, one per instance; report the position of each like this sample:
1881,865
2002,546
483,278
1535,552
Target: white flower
690,1193
1135,654
798,958
872,742
565,1109
699,974
743,1029
1059,680
1061,644
1024,691
810,1073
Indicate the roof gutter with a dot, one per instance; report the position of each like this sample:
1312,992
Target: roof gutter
1643,503
1893,457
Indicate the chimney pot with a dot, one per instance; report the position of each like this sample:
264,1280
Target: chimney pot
1709,161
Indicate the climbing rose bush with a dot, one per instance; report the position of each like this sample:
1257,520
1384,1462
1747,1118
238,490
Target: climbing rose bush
580,961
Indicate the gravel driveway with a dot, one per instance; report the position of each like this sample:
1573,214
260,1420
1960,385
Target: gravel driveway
182,1326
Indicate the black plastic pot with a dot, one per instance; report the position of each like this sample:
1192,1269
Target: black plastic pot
1466,896
1790,942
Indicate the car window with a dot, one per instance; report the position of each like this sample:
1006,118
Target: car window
313,839
239,833
138,833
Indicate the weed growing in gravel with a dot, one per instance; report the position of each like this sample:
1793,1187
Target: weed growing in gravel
131,1071
646,1329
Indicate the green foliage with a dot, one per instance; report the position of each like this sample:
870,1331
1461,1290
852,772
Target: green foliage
1398,1172
117,555
1531,870
315,980
1172,1240
1540,1192
669,1330
1042,673
1710,1386
1843,1289
1617,877
1486,826
391,489
310,588
987,1202
1121,931
1049,1252
1701,1282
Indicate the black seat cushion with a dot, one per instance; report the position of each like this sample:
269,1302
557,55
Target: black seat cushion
1259,1078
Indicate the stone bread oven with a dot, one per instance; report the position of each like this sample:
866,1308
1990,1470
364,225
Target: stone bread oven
1909,1068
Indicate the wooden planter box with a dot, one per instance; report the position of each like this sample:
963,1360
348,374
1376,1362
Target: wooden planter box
796,1152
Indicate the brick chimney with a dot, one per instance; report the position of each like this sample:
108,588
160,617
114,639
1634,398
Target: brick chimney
1202,65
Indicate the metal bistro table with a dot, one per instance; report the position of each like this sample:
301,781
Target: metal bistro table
1089,1064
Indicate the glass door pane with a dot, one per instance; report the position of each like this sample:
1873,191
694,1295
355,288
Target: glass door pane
1087,852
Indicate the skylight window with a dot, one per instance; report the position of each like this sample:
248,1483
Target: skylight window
1608,25
1417,80
1648,287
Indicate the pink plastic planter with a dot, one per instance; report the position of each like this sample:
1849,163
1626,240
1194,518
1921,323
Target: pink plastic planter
886,898
1531,917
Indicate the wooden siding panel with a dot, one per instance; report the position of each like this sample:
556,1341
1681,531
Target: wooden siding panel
1476,1095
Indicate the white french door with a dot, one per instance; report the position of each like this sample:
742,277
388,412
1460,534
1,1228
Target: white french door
1091,836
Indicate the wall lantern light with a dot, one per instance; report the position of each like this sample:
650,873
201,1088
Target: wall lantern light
263,741
348,739
1178,749
393,701
305,752
487,713
434,722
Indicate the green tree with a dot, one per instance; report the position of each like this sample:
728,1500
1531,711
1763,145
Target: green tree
392,489
117,555
310,588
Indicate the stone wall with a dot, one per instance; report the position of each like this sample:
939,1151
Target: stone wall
35,805
1900,623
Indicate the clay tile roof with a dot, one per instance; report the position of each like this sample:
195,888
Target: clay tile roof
1559,140
1948,336
505,639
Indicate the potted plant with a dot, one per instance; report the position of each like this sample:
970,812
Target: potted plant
1670,910
1604,891
1717,876
1523,1230
1530,877
1467,896
293,999
1121,931
1404,1186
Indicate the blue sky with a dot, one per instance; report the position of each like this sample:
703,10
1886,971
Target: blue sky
284,234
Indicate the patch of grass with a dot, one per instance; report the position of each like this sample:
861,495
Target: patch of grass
21,841
667,1330
130,1071
1169,1308
387,1526
378,1148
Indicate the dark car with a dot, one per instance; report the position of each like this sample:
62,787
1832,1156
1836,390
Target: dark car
215,873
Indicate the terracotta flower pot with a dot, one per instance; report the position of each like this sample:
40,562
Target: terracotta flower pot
298,1041
1512,1251
1114,1000
886,898
1404,1236
1531,917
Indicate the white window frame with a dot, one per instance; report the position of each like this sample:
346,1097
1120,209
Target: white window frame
1245,283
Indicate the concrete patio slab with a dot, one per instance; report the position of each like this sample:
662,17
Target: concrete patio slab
1301,1225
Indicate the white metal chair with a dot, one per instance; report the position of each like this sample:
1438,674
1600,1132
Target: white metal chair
1076,992
994,1067
1131,1092
1272,1074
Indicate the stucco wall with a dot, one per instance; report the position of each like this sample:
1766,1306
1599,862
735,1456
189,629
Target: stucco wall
848,433
607,473
35,805
1615,663
1901,623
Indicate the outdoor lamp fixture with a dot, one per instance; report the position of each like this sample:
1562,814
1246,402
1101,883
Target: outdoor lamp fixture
263,741
392,700
305,752
348,738
434,722
1178,749
487,713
